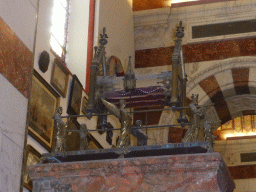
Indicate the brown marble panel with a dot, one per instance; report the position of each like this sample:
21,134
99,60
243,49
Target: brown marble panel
176,134
241,78
139,5
209,84
211,87
243,171
153,57
152,117
15,59
240,74
198,52
249,112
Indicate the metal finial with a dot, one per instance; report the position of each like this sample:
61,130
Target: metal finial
129,78
103,40
95,49
180,30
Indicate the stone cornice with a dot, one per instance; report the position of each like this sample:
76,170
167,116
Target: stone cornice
155,28
151,17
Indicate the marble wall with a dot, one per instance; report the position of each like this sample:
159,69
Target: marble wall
17,28
156,28
220,68
197,52
13,108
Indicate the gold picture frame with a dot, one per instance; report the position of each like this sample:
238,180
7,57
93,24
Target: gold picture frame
84,104
73,139
60,78
42,104
32,157
75,97
93,143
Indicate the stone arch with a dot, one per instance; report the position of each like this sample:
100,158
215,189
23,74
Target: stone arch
114,66
227,83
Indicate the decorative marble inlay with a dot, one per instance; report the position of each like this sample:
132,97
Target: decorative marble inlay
15,59
200,52
138,5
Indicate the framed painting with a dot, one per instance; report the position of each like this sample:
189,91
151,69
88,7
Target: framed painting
72,138
75,97
109,134
42,104
84,104
93,143
32,157
59,78
102,124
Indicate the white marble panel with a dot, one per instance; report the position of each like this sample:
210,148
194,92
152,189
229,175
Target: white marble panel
241,185
21,17
251,184
10,164
240,103
225,80
252,75
231,150
13,111
252,87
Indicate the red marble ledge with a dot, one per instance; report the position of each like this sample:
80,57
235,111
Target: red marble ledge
190,172
15,59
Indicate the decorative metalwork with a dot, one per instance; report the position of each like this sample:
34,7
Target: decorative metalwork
125,119
174,83
97,60
129,78
166,80
83,132
179,78
59,132
194,124
141,137
208,133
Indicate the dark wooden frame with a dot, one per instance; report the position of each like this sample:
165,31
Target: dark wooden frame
75,97
54,78
38,116
73,138
94,141
84,103
30,149
109,133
